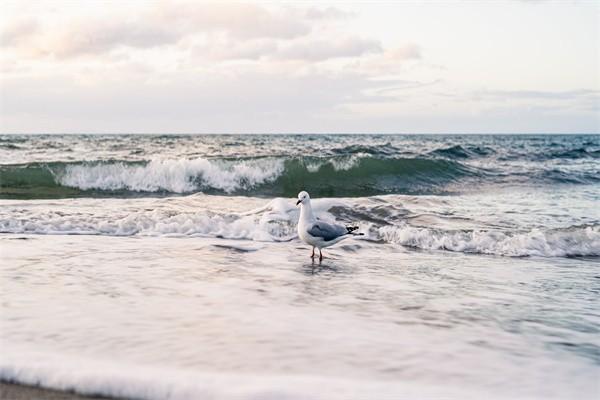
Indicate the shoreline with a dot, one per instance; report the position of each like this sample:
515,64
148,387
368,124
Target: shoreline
18,391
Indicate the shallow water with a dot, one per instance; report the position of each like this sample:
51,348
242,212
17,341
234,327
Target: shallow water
380,320
487,288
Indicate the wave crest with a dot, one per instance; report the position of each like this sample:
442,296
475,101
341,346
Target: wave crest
352,176
274,222
571,242
176,176
203,216
462,152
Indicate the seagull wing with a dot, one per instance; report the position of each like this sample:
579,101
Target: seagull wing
327,231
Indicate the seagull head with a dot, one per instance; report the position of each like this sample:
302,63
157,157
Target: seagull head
303,198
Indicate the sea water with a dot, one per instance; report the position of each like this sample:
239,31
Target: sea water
168,266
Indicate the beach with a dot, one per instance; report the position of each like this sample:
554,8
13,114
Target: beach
12,391
178,276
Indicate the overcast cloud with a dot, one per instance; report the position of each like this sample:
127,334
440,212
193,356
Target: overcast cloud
298,67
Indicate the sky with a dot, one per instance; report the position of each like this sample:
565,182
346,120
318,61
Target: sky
511,66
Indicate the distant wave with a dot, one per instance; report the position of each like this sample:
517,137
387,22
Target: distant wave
577,153
462,152
376,150
333,176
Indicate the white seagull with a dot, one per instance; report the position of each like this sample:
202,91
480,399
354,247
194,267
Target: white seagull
318,233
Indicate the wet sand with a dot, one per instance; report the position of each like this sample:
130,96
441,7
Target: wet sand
12,391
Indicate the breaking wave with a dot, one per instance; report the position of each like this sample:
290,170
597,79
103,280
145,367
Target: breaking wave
355,175
570,242
176,176
271,223
276,222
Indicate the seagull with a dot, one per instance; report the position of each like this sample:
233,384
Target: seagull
318,233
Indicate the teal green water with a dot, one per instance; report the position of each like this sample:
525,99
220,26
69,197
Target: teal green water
55,166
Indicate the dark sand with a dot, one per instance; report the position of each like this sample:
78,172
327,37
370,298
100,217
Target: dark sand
11,391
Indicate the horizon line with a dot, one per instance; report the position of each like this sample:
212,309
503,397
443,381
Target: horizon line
300,133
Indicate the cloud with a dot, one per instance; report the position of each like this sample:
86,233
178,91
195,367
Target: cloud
240,20
221,50
561,101
307,49
539,94
166,23
327,13
194,66
18,31
93,37
85,36
253,100
401,86
389,61
320,50
246,31
403,53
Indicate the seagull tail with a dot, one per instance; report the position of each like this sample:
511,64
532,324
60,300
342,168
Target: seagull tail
351,230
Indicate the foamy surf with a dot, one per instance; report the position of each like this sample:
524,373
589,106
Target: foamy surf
97,377
255,219
270,223
569,242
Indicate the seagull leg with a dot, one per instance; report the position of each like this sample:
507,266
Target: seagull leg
320,255
313,253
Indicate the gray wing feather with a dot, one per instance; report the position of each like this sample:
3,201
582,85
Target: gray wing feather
327,231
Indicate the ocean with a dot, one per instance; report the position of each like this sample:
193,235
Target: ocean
168,266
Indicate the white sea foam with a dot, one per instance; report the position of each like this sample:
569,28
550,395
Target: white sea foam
576,241
345,164
228,218
178,176
263,227
191,216
338,164
105,378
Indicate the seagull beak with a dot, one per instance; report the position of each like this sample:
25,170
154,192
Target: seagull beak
298,202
